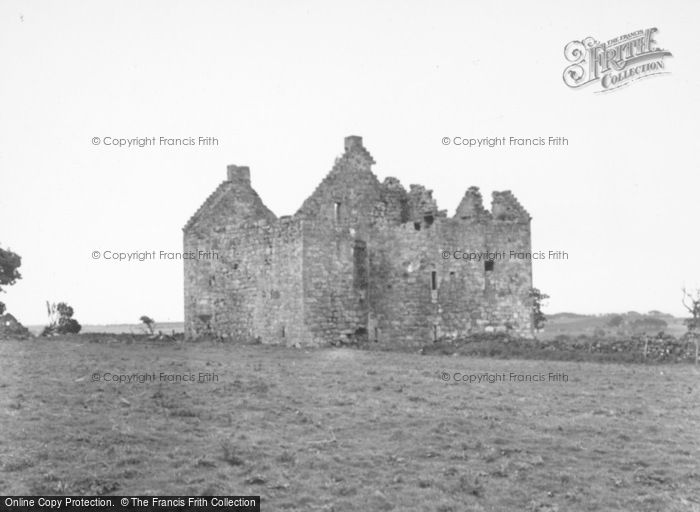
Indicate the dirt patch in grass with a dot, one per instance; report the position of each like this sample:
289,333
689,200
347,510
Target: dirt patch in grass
340,429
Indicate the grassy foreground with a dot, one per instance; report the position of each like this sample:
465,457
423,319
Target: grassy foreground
340,429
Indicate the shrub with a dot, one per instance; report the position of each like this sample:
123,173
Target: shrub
61,320
148,322
68,326
616,321
538,299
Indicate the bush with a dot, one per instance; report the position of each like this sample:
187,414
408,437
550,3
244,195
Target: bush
616,321
148,322
68,326
61,320
538,299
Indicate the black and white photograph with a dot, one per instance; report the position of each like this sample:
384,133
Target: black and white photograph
305,255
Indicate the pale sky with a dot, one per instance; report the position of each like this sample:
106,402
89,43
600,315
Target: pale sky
280,84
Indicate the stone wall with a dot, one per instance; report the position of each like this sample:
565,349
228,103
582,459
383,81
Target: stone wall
360,260
418,295
254,289
337,219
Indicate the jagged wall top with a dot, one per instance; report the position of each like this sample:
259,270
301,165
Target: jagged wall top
505,206
472,205
351,182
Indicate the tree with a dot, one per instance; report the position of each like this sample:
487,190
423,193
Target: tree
9,263
616,321
61,320
648,324
148,322
691,302
538,317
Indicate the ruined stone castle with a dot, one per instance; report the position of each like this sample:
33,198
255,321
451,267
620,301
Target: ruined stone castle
361,260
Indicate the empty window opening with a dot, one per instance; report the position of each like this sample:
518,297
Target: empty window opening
433,280
284,332
452,273
376,335
435,336
488,265
428,219
212,280
416,226
336,212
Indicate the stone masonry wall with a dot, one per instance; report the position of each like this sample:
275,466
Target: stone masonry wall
337,220
360,260
411,305
254,289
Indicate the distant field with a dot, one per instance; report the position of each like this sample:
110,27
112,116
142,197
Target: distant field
346,430
560,323
166,327
572,324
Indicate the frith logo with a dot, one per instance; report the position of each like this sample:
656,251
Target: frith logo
615,63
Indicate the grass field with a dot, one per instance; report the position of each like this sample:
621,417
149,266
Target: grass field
341,429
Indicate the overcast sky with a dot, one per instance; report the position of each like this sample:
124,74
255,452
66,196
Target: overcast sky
281,83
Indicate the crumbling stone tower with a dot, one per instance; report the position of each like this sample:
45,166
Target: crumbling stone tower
359,260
